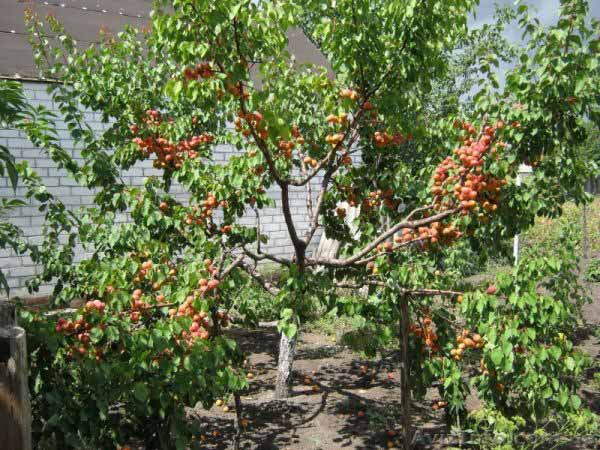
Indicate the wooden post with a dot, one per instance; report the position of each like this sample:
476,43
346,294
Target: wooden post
15,407
585,241
407,434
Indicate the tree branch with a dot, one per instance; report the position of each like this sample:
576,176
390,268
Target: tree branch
404,291
334,262
262,256
314,224
256,276
236,262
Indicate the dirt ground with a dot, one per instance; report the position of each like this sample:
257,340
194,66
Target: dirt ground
340,401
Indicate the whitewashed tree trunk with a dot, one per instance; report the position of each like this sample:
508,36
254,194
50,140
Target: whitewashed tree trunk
287,350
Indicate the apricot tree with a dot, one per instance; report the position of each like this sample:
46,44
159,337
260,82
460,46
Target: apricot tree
157,289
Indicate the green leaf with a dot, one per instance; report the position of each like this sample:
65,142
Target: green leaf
570,363
141,392
497,355
291,330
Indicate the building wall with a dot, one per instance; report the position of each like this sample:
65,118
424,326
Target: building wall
20,268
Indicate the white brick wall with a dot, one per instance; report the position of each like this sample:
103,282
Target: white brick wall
19,268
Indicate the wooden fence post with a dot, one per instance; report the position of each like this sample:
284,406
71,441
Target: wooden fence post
405,396
15,406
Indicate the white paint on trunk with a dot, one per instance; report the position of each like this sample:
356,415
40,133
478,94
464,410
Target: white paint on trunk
287,350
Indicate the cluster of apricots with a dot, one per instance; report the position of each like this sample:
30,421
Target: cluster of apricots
385,247
342,119
309,161
169,155
285,147
437,232
245,122
80,329
206,285
236,89
349,93
137,304
143,271
202,70
426,333
206,210
146,265
460,181
383,139
334,139
200,327
375,198
466,341
345,158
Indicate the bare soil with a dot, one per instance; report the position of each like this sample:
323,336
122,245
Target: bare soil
341,401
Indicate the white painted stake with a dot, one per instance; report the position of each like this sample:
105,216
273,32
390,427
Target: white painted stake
516,238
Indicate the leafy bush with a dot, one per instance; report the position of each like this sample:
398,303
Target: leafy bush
491,430
546,231
592,273
528,365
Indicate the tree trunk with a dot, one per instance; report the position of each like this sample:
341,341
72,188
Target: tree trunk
15,407
287,350
585,239
404,375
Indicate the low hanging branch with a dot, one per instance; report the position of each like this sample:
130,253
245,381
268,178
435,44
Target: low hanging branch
404,291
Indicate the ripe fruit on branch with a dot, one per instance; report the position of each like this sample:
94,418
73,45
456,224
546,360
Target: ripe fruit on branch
95,305
349,93
465,342
426,333
198,216
202,70
461,180
368,106
169,155
246,122
310,161
384,139
334,139
332,118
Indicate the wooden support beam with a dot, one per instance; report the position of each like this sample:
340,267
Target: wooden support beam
15,406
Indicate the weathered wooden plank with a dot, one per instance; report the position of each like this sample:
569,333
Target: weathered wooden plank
330,248
15,407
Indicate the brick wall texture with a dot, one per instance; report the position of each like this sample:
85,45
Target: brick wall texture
19,268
